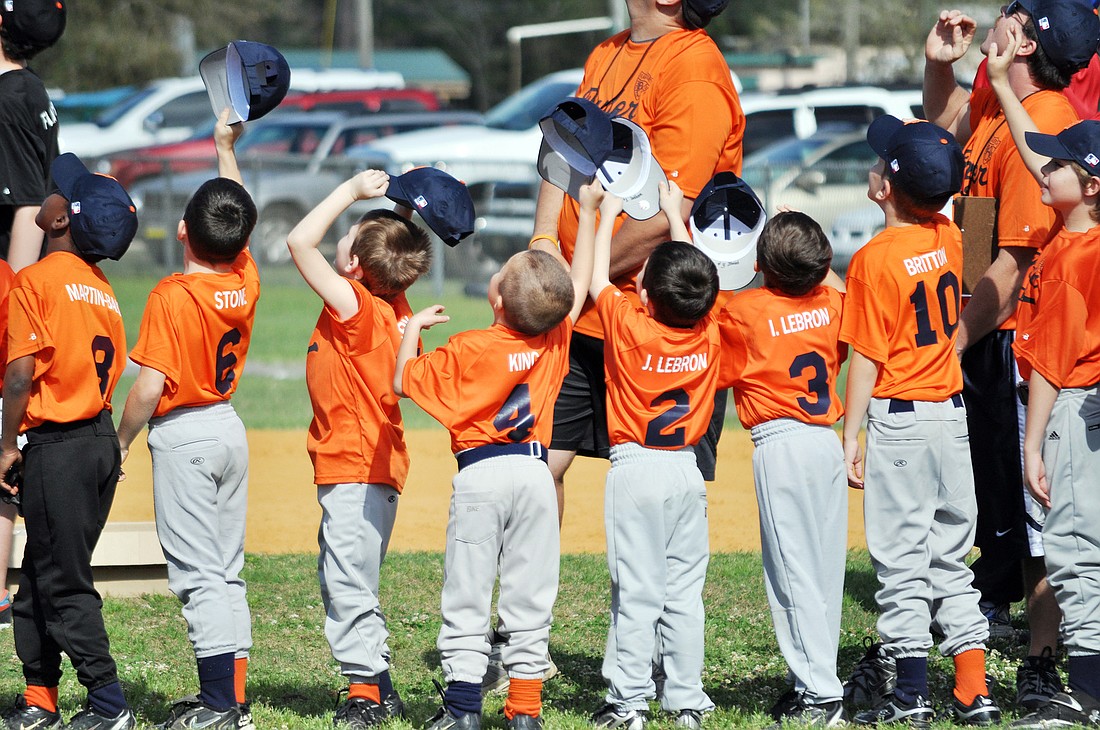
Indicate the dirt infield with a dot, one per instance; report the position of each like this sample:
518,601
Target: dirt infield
283,514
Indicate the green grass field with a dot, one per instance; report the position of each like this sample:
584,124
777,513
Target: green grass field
293,681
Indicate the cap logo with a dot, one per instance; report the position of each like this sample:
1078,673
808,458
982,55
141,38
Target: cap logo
9,5
74,207
1092,159
421,201
1044,23
894,165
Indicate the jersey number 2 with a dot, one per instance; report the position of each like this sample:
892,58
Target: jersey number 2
515,415
655,432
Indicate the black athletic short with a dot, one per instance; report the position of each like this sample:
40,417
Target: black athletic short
580,414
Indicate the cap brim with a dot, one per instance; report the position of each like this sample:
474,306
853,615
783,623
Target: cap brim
635,179
66,170
719,229
216,69
881,132
555,170
1047,145
735,270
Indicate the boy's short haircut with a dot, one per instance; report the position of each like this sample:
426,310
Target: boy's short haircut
681,282
1083,177
392,250
18,49
1046,74
537,292
793,253
220,217
911,209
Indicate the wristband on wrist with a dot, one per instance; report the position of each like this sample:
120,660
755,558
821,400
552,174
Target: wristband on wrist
542,236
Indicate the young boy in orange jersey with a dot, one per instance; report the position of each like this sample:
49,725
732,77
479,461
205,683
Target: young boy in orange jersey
781,356
494,390
661,379
901,313
66,351
8,507
356,439
193,343
1059,347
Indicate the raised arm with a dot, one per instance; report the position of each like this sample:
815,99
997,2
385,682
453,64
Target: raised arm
610,207
330,285
581,270
945,102
410,340
1019,121
672,205
225,141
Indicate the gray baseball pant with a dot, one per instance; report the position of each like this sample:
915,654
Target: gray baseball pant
356,524
1071,535
802,493
504,511
200,496
655,515
919,514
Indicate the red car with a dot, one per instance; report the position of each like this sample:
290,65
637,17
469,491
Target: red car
197,152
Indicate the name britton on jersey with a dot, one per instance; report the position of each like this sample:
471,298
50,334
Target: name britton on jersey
926,262
800,321
91,295
676,364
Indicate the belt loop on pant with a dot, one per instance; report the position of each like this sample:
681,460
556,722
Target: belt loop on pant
906,406
469,457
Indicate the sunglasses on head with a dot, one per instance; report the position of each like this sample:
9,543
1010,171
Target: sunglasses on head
1012,8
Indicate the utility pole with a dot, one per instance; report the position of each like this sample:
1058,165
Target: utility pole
366,33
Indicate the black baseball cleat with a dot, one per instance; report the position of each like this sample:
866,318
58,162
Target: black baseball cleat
89,719
191,712
22,716
892,709
982,711
874,677
1065,709
244,722
614,716
357,713
395,708
794,709
444,720
525,722
1037,680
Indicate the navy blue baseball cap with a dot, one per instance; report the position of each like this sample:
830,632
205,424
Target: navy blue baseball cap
925,160
1068,30
35,22
442,201
726,220
577,138
102,218
697,13
249,78
1080,143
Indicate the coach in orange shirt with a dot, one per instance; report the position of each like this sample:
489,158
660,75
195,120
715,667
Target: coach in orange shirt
666,75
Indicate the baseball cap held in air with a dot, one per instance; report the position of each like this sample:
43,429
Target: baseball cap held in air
442,201
631,172
923,160
102,218
1080,143
35,22
577,137
249,78
726,220
1068,30
697,13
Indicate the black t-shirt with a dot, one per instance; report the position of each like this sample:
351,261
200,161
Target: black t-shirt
28,145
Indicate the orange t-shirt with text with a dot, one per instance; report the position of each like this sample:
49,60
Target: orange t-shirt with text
63,311
492,386
7,278
357,435
781,355
901,309
679,90
1059,335
196,330
994,168
660,380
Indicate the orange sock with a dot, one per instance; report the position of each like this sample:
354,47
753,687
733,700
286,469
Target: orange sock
240,677
364,691
44,697
970,675
524,698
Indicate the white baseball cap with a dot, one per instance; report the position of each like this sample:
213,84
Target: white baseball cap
726,221
631,172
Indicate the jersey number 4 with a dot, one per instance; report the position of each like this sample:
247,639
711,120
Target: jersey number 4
515,415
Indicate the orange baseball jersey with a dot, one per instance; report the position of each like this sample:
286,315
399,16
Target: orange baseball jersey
1059,328
994,168
63,311
357,435
678,89
781,355
196,330
7,278
660,380
902,309
492,386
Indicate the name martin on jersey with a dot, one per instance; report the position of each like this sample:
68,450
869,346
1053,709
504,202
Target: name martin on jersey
91,295
800,321
676,363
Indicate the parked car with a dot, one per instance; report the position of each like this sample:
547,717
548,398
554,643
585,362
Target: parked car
289,164
197,151
168,110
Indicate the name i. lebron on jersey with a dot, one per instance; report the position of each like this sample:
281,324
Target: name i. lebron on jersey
800,321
